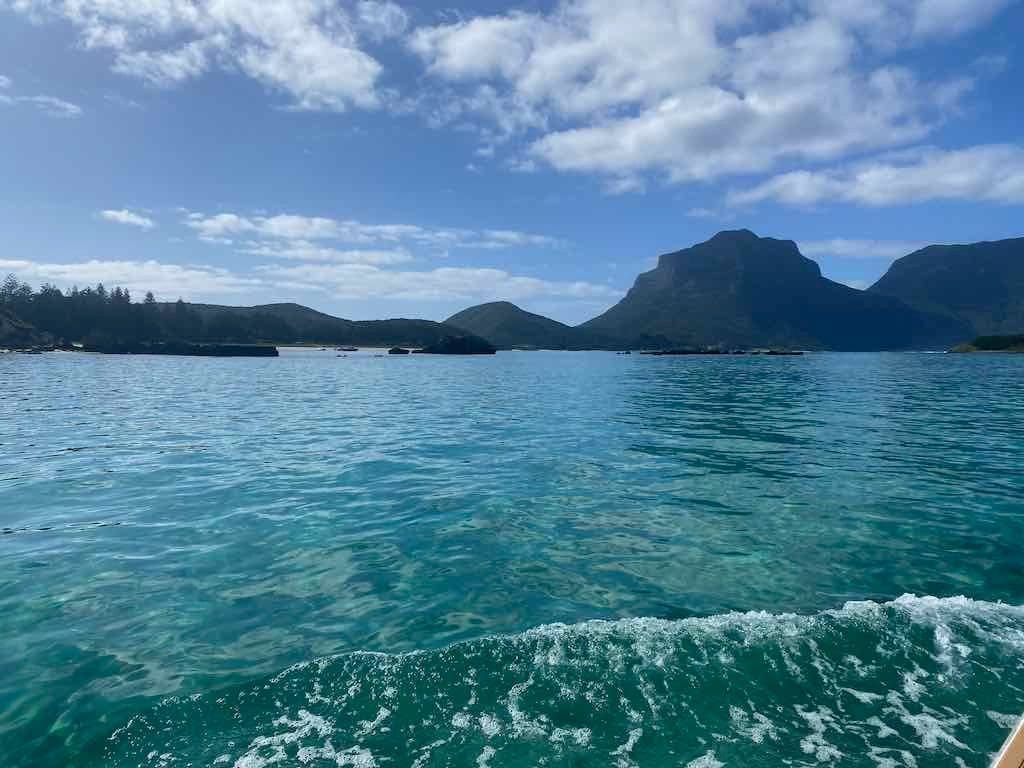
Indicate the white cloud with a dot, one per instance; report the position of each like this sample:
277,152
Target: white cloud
167,67
222,226
843,248
371,270
990,173
128,217
381,19
363,281
624,185
698,89
309,49
304,250
889,23
167,281
48,105
357,281
5,82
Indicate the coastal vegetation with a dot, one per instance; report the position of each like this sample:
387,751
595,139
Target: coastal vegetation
1008,343
102,318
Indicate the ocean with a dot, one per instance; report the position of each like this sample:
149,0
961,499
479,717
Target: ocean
532,559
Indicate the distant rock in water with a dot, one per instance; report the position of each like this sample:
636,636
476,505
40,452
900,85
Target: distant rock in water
980,285
398,351
1012,343
741,290
459,345
181,348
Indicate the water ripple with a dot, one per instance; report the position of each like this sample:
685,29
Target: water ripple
178,526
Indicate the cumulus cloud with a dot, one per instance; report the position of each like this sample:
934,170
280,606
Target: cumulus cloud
698,89
309,49
130,218
844,248
363,281
381,19
988,173
5,82
226,226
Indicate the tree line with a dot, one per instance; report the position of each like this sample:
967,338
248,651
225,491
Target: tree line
97,315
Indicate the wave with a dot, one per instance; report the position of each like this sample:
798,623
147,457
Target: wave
883,684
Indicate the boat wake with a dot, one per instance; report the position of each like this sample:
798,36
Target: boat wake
919,680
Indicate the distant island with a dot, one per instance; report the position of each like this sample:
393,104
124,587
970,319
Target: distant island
736,291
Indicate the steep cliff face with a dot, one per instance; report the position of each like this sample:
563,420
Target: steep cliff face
980,285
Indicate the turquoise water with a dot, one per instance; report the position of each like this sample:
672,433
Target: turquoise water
533,559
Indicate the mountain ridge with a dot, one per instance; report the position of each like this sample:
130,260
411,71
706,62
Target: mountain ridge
738,289
508,326
734,290
981,284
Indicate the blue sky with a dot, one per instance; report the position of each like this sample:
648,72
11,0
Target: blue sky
377,159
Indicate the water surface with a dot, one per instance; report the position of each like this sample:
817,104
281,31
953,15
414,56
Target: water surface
535,558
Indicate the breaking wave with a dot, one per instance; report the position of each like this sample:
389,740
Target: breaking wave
912,682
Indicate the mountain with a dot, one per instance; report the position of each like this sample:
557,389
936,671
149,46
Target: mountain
294,323
101,317
981,285
507,326
738,289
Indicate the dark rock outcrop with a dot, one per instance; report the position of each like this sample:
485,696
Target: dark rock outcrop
459,345
180,348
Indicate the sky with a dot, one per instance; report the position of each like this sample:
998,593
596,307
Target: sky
376,159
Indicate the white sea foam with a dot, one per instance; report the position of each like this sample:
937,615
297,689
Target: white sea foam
484,759
624,751
369,726
645,676
707,760
1003,721
490,726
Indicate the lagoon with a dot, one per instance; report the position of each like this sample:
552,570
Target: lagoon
531,558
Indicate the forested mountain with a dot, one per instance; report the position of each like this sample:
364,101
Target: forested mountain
981,285
101,316
738,289
507,326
